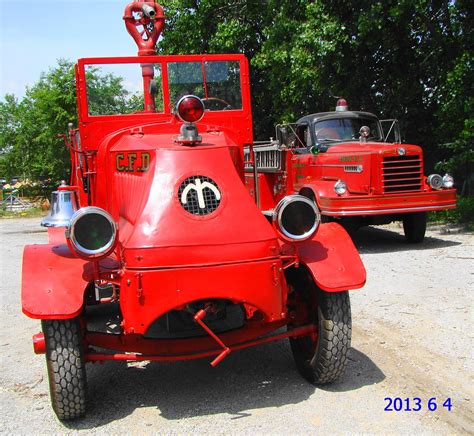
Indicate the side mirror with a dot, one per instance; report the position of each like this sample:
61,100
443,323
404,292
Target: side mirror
291,135
153,88
364,133
391,131
282,134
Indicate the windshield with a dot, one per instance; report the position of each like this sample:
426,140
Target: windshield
114,89
132,88
217,83
345,129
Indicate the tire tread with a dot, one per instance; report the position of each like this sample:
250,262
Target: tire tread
329,361
66,367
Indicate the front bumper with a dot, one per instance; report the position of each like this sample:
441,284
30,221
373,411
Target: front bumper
145,295
353,205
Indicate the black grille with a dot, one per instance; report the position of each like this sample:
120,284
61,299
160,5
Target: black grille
402,173
199,188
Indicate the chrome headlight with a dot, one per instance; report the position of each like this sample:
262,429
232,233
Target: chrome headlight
296,217
448,181
92,232
435,181
340,187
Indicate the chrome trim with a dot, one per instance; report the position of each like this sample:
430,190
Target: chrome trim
268,157
284,202
339,183
373,211
448,181
435,181
353,168
71,236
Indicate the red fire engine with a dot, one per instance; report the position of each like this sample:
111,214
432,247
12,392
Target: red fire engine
356,173
156,250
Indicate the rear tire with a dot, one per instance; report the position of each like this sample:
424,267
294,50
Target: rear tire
414,227
66,367
323,359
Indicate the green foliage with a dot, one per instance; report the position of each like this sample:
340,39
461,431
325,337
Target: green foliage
105,94
405,59
28,213
399,58
463,214
29,143
456,116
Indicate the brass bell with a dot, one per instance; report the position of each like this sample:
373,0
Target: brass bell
63,205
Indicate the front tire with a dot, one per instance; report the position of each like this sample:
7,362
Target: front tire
66,367
323,359
414,227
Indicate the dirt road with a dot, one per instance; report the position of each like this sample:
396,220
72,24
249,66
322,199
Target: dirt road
412,338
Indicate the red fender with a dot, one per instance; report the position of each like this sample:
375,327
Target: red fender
53,282
332,259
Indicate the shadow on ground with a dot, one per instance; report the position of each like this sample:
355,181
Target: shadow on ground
382,240
250,379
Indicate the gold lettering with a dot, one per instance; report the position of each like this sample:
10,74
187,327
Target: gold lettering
119,157
350,158
145,163
131,159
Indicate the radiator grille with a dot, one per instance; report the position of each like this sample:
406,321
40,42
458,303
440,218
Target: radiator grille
402,173
267,157
202,196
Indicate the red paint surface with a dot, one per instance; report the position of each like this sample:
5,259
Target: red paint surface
365,194
166,257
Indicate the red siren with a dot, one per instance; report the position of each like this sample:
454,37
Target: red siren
341,105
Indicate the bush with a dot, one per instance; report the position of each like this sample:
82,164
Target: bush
463,214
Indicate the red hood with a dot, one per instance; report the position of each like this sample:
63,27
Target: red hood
154,228
359,165
371,148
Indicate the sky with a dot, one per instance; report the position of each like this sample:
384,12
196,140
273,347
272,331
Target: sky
34,34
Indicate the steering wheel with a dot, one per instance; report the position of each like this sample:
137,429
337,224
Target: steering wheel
213,103
327,133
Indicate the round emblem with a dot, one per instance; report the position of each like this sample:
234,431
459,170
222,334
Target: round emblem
401,151
199,195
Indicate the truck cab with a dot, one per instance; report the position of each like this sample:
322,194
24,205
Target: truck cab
357,172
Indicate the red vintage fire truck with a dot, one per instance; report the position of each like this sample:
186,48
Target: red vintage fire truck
156,250
357,172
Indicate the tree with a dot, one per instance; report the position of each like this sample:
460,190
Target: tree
29,128
31,147
397,61
400,58
394,58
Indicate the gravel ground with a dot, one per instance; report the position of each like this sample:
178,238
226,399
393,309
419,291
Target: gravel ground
412,337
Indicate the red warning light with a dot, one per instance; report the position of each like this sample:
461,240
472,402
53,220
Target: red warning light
341,105
190,109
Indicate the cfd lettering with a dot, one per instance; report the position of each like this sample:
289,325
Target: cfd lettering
132,162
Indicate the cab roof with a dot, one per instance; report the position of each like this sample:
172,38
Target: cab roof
334,115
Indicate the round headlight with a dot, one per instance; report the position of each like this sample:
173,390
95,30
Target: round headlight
92,232
448,181
435,181
296,217
340,187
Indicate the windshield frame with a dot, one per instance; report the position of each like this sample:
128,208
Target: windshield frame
350,116
163,60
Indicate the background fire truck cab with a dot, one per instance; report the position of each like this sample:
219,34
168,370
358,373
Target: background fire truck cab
157,251
355,171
